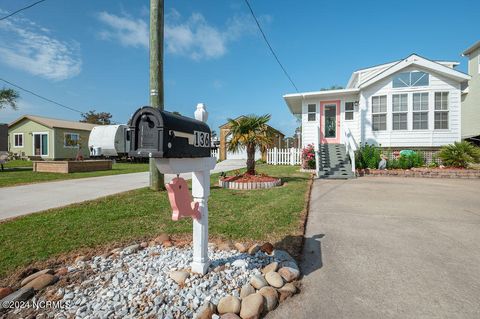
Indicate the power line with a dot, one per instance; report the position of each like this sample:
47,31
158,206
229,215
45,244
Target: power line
41,97
21,9
269,46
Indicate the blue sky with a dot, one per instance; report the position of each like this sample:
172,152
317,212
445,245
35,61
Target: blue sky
94,54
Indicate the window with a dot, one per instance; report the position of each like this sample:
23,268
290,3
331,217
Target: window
379,113
312,112
407,79
18,139
399,110
441,110
71,140
420,111
349,109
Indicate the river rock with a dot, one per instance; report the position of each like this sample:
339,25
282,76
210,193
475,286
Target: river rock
131,249
287,291
240,247
267,248
161,238
282,255
271,297
246,290
179,276
167,243
239,263
21,294
273,266
36,275
5,291
274,279
206,311
289,274
258,281
228,304
61,271
81,259
225,246
252,306
41,282
253,249
229,316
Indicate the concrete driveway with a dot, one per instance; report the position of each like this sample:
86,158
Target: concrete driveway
21,200
379,247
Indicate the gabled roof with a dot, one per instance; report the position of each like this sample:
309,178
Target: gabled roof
55,123
364,74
471,49
416,60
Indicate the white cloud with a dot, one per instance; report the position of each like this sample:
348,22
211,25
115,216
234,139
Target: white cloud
193,37
29,47
129,31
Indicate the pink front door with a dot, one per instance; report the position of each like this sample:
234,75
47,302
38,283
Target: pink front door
330,122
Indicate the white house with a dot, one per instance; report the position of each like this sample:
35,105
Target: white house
412,103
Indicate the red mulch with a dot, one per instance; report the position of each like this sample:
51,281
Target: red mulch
246,178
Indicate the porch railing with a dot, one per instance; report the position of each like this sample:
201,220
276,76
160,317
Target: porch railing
350,146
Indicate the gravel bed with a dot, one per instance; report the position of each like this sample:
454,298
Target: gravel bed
136,284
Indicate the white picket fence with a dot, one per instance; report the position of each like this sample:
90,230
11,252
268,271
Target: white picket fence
284,156
215,153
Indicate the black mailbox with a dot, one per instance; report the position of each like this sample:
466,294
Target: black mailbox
161,134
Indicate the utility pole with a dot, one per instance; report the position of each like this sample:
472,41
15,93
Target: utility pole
156,77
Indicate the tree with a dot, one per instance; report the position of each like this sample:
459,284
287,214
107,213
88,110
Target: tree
333,87
8,97
250,132
102,118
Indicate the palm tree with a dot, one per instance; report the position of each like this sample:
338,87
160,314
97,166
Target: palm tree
8,96
250,132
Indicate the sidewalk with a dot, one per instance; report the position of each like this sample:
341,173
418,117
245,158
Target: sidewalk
21,200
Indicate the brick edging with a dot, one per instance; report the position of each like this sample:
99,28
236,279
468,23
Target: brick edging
249,185
422,172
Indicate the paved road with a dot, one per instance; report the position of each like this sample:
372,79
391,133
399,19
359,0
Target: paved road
390,248
26,199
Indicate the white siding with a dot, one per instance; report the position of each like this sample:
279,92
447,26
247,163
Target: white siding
411,137
309,128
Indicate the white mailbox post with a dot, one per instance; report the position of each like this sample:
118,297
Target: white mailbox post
200,168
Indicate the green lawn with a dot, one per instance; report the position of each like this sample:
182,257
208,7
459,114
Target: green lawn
255,215
17,174
18,163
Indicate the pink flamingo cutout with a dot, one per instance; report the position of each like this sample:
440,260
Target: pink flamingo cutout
181,200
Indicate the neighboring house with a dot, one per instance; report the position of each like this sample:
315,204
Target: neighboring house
471,96
225,137
411,103
47,138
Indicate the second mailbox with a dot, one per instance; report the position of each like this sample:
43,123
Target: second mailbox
161,134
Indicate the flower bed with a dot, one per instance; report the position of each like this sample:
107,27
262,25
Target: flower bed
247,181
423,172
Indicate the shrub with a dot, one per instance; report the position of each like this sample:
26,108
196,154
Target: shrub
415,159
367,156
308,156
459,154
